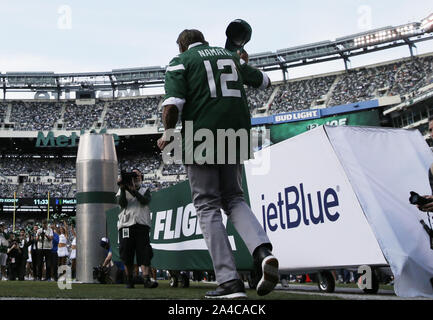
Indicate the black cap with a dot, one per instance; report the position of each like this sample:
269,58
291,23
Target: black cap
238,34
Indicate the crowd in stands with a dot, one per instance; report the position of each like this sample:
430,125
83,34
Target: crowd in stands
64,168
258,98
413,75
299,95
34,116
56,175
31,190
13,166
396,78
360,84
155,185
173,169
130,113
147,163
3,110
7,189
77,117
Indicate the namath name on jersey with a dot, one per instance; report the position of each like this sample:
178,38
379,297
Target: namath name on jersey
214,52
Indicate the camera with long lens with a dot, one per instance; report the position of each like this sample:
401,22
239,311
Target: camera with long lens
416,199
127,178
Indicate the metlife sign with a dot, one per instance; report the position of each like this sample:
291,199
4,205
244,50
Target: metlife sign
308,208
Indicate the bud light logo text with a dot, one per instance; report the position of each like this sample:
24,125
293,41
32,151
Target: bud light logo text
294,206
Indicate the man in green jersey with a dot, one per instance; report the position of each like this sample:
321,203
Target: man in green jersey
206,86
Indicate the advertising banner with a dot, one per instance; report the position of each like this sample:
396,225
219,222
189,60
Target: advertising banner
339,196
382,177
280,132
176,237
296,116
308,208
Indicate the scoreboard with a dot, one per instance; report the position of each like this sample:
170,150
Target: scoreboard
38,201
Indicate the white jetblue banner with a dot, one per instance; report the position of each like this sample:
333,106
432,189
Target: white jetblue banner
383,166
308,208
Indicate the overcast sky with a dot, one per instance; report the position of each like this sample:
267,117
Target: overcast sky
78,36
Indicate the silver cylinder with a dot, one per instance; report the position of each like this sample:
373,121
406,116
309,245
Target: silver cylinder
97,173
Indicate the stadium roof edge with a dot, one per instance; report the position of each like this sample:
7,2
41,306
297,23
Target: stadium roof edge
350,37
306,46
139,69
32,73
319,52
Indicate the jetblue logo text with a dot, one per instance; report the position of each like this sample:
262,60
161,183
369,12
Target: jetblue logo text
294,206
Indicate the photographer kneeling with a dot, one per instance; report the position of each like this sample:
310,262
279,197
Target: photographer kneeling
134,226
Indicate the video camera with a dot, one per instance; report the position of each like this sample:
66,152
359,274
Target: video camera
102,274
416,199
127,178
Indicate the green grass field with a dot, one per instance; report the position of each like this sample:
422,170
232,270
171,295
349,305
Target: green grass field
197,290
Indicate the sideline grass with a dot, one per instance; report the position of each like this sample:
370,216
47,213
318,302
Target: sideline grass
50,290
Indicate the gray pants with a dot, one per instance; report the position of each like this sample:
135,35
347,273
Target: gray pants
215,187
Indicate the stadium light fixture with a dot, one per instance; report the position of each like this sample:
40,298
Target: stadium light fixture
427,24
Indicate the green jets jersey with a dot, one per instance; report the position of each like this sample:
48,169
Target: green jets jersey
207,84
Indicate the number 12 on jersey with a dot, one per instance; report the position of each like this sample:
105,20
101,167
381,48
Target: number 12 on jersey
224,78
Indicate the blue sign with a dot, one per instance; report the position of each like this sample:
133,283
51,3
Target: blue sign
297,116
316,113
294,203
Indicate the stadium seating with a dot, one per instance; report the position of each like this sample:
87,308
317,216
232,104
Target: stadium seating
173,169
413,75
57,175
78,117
3,110
34,116
131,113
258,98
299,95
403,77
395,78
